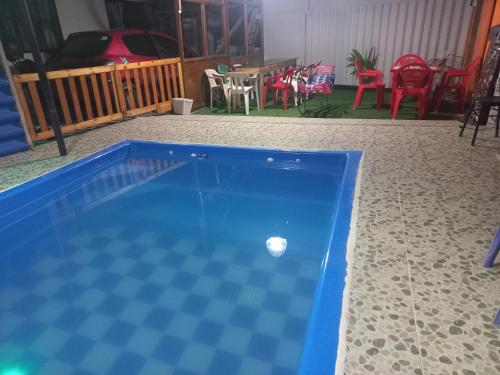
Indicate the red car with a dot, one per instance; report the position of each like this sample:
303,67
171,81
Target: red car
94,48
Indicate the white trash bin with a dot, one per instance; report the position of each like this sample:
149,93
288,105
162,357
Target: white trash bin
182,106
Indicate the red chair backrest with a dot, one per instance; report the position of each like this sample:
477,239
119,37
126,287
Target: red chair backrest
324,69
288,75
285,76
414,75
409,58
357,64
359,70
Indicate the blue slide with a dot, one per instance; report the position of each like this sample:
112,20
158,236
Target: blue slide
12,137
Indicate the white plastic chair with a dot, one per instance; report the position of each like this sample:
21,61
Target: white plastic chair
241,84
216,81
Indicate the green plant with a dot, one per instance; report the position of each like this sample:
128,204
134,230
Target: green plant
368,60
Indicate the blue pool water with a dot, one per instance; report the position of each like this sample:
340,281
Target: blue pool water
151,258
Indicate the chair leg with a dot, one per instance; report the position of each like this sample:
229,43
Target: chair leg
284,94
211,100
359,96
421,111
264,97
494,250
229,100
436,103
275,97
257,98
497,127
380,96
476,130
395,106
295,85
247,103
466,119
422,105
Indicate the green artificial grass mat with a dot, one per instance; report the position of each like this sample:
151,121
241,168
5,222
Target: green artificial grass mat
339,105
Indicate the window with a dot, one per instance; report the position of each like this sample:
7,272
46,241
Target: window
137,15
166,47
14,35
140,44
85,44
236,29
254,15
215,29
154,15
192,28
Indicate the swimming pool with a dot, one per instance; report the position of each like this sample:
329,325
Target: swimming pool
178,259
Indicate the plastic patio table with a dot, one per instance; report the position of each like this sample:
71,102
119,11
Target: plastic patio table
268,67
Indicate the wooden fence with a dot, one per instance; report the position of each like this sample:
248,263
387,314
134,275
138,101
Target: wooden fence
89,97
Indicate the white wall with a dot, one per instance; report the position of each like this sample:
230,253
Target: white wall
81,15
328,30
285,28
330,4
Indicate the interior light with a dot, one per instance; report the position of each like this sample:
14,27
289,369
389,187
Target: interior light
276,246
13,371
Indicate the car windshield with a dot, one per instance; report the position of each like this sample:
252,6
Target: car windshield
85,45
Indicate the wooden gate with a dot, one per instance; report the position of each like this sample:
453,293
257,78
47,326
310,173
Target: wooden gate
89,97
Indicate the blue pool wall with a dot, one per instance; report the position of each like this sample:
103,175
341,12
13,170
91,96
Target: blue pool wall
32,197
322,337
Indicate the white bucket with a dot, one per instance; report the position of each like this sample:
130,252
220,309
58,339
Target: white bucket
182,106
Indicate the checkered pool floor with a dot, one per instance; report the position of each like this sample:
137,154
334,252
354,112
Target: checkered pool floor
129,302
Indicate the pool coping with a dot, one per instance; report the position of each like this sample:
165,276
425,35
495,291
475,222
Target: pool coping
350,247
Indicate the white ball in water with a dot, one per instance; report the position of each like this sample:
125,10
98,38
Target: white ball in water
276,246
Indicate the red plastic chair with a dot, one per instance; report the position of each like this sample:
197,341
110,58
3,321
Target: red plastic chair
449,82
369,79
320,81
286,75
400,61
281,83
413,79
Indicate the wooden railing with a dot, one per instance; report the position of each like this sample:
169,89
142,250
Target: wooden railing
89,97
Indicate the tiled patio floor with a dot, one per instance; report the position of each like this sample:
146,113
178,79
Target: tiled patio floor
421,302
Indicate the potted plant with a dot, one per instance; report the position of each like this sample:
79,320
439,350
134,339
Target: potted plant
368,60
